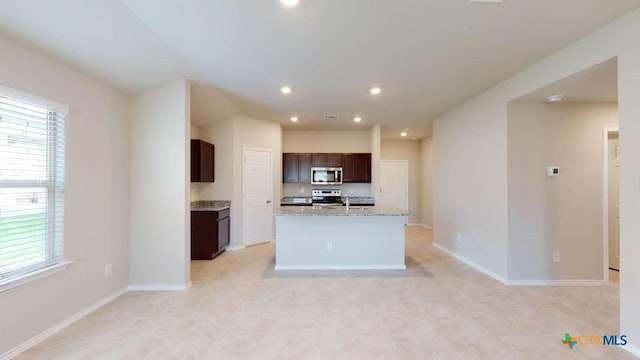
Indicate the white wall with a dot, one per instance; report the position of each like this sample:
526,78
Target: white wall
470,164
96,205
195,188
195,132
229,137
375,138
563,213
248,132
470,182
159,187
407,150
220,134
426,181
299,141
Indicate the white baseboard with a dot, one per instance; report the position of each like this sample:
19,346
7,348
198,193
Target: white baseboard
421,225
340,267
632,349
61,325
234,248
523,282
472,264
160,287
556,283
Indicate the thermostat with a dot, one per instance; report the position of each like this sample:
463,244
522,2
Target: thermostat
553,171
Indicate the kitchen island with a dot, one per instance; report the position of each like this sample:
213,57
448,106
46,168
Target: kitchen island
337,237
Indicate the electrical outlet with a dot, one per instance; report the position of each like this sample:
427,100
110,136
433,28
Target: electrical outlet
459,238
301,190
108,269
329,246
556,257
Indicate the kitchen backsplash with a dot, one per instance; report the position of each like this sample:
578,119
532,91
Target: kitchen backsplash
347,189
196,188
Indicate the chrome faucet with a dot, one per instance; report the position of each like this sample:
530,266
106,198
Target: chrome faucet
347,202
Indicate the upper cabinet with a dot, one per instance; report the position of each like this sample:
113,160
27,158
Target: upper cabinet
290,168
202,161
296,168
326,159
304,168
356,168
334,160
318,159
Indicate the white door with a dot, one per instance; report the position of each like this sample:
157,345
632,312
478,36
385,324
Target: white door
614,203
394,184
257,214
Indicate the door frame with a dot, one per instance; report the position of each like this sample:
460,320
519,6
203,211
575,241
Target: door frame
244,196
406,163
605,199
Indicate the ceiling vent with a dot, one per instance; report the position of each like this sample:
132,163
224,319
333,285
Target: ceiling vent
330,117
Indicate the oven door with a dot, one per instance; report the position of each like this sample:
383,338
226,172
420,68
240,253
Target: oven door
326,176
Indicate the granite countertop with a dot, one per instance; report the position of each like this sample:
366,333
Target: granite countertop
339,211
360,200
210,205
305,200
295,200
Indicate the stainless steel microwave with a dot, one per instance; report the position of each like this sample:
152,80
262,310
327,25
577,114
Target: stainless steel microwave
326,175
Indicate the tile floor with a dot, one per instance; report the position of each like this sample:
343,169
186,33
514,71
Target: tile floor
439,308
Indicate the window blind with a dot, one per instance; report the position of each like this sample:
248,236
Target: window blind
32,145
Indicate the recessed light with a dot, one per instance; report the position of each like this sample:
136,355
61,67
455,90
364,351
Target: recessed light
403,134
290,3
375,90
294,118
555,98
357,119
285,90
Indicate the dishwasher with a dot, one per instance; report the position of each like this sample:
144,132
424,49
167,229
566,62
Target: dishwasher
224,225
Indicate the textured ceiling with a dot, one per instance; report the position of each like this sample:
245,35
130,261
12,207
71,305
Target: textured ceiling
427,55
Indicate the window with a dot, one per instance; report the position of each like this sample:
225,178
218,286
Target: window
31,184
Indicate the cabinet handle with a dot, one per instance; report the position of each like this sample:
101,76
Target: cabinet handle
268,201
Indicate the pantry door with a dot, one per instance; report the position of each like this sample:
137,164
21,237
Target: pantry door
394,184
258,196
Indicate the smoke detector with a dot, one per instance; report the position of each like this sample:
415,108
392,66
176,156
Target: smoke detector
555,98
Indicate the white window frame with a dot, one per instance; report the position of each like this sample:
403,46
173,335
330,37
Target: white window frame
54,183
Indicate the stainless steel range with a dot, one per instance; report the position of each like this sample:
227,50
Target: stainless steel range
326,197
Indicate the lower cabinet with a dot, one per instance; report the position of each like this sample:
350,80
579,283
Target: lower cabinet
209,233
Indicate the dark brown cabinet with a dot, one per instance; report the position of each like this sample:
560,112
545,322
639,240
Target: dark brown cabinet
348,167
334,160
209,233
318,159
326,159
356,168
296,168
202,161
304,168
290,168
